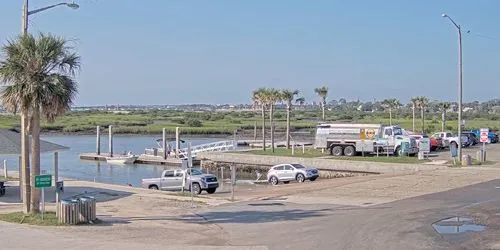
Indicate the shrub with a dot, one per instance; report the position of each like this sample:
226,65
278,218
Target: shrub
194,122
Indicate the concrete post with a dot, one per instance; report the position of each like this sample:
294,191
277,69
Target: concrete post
164,143
5,172
98,141
177,142
111,140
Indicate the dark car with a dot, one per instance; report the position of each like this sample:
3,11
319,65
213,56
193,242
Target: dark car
471,137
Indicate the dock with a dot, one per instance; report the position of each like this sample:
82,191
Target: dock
143,159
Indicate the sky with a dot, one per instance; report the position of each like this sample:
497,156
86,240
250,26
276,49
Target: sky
218,51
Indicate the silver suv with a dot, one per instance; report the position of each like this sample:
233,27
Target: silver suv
289,172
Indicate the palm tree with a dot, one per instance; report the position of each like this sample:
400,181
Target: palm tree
272,96
288,97
300,101
391,104
322,93
414,103
259,99
422,102
40,72
443,106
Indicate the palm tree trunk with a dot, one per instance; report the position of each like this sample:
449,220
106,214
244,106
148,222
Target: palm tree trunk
271,123
413,121
423,119
263,128
288,111
255,131
443,120
390,116
323,104
25,162
35,160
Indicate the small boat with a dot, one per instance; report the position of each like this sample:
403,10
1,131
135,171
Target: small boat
122,159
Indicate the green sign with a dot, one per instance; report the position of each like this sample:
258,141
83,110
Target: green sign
43,181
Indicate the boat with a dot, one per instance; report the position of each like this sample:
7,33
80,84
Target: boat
122,159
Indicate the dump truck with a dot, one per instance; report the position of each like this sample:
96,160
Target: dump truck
355,139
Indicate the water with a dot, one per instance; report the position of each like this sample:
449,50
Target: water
70,165
456,225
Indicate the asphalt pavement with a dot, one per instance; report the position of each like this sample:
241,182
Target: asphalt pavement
404,224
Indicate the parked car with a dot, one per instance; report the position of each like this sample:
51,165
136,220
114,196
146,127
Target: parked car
492,136
449,138
173,180
473,140
289,172
2,188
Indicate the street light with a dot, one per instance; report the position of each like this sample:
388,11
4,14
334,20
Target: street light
459,29
26,13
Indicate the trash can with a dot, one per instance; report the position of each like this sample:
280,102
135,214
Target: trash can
466,160
69,212
87,209
2,188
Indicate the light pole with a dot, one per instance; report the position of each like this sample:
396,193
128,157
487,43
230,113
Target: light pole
26,12
25,175
459,29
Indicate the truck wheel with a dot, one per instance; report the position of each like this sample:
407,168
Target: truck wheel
398,151
196,188
211,190
153,187
336,151
349,151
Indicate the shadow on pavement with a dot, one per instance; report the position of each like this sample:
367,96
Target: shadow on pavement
101,194
244,217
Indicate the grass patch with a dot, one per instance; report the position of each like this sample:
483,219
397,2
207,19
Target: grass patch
49,219
312,153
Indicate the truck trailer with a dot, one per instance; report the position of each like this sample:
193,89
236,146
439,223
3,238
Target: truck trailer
353,139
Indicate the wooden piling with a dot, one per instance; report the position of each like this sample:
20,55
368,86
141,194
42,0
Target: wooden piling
164,143
110,128
177,142
98,141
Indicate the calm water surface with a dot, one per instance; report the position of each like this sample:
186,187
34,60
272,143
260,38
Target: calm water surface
70,165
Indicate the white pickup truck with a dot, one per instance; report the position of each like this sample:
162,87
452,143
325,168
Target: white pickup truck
174,179
449,138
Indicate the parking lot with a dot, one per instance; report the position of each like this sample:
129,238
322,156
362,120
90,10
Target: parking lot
492,152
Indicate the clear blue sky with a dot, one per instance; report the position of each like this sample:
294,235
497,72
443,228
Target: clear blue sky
218,51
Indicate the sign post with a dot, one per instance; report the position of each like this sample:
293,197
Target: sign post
483,138
42,182
190,167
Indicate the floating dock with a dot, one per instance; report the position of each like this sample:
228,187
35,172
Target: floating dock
143,159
